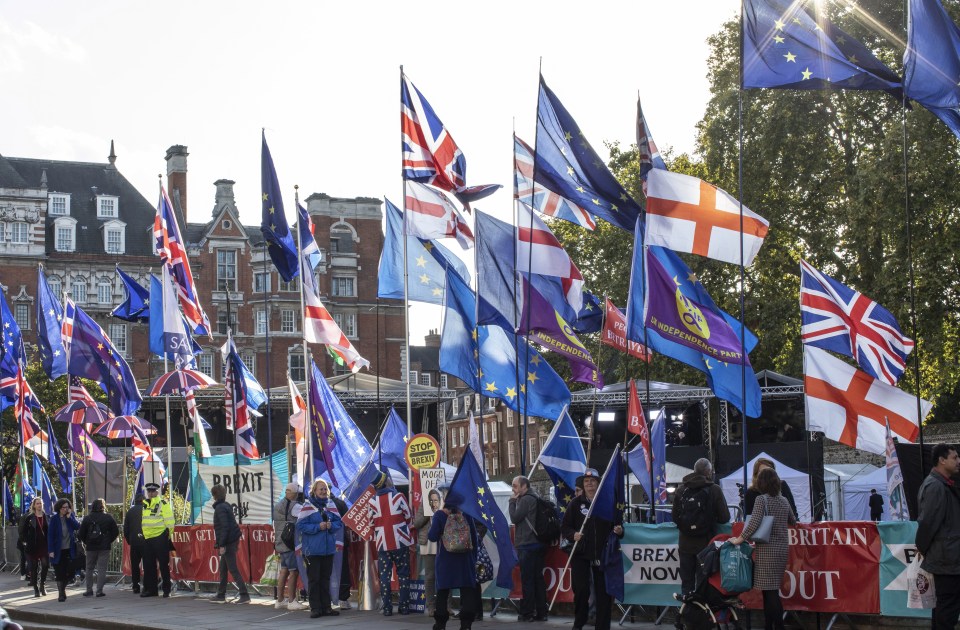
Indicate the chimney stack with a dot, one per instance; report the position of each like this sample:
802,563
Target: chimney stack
177,177
432,339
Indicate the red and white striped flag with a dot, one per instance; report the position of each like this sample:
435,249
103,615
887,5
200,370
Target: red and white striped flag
539,251
686,214
320,327
430,214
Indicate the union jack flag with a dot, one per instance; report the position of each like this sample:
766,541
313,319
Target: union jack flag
172,251
24,413
143,452
390,515
837,318
543,199
647,148
235,404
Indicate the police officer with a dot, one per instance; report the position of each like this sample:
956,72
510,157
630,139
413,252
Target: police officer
157,526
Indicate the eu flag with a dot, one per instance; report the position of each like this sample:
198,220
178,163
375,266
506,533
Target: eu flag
273,224
469,492
568,165
609,504
321,431
498,302
53,357
350,447
786,47
136,307
393,443
932,61
590,316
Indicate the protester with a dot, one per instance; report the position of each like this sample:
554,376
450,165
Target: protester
133,534
752,492
62,544
33,540
390,516
285,514
590,536
226,534
530,551
428,549
698,506
97,533
317,526
876,506
344,592
770,558
455,569
938,534
157,526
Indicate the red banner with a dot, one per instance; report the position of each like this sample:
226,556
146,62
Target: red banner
615,334
553,564
357,517
832,568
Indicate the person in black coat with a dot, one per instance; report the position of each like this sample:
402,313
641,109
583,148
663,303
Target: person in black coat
227,535
750,496
33,543
133,534
97,533
876,506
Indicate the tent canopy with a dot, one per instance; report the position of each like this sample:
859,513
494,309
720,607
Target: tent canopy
798,481
856,495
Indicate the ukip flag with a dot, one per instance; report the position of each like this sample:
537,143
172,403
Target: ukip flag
273,223
686,214
136,307
322,434
53,357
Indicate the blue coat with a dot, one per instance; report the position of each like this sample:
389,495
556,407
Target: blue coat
317,542
53,537
454,570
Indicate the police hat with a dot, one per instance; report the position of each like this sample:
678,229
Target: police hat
152,487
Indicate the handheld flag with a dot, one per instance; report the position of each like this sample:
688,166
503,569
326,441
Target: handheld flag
53,357
563,458
136,307
321,430
610,502
273,221
931,61
393,442
349,448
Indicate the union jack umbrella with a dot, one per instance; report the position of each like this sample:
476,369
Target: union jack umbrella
124,427
83,412
179,381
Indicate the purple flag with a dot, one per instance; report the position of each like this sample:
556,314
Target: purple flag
671,312
82,444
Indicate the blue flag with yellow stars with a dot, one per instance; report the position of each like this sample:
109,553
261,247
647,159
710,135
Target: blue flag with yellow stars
567,165
723,378
784,46
932,61
136,307
273,225
608,505
470,493
53,357
427,261
464,346
393,443
563,459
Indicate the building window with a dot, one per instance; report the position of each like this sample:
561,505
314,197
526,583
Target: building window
205,363
118,335
260,322
453,437
443,381
226,270
288,320
343,287
105,293
19,233
341,240
511,454
347,323
493,432
414,377
292,286
21,314
483,432
114,240
462,441
476,403
56,286
509,417
295,364
222,323
495,470
491,404
65,238
59,205
456,406
78,290
226,224
261,282
106,207
425,379
532,454
250,360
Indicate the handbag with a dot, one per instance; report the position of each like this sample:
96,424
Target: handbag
484,565
765,530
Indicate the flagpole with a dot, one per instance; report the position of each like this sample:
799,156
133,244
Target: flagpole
266,316
307,371
406,299
743,348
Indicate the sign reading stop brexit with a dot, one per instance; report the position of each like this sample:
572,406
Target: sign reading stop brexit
423,451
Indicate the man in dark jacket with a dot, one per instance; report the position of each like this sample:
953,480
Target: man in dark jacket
699,499
590,535
226,535
97,533
531,552
876,506
938,534
133,534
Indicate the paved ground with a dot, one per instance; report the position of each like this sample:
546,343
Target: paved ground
122,610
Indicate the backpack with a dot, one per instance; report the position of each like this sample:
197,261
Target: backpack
546,524
695,516
456,534
94,535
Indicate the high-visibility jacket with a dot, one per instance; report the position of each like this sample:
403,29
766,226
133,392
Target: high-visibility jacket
157,516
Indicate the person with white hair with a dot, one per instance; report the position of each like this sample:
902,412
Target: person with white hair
698,507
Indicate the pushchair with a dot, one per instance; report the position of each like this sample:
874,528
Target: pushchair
709,606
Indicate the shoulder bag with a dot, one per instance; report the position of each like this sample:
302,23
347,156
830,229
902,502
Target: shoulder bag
763,533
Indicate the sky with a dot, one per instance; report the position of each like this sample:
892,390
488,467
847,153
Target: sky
323,79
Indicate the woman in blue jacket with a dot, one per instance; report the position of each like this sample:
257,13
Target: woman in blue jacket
454,570
62,544
317,527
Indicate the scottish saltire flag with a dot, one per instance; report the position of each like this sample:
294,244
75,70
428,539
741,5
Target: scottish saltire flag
563,459
91,355
321,430
932,61
173,252
136,306
429,214
469,492
273,220
308,243
393,442
837,318
174,341
426,264
350,447
42,486
568,166
236,408
784,46
646,148
53,357
723,378
539,252
898,502
486,357
59,460
545,201
430,155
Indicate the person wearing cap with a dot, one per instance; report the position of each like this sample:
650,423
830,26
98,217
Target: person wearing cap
157,526
590,536
285,513
390,516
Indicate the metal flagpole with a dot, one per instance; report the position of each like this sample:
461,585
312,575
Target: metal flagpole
406,294
516,316
266,314
166,398
307,372
743,348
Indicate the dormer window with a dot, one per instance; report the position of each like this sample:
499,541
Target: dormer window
65,234
107,207
114,237
59,205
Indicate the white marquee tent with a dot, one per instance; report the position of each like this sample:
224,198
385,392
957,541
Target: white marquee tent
799,483
856,495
